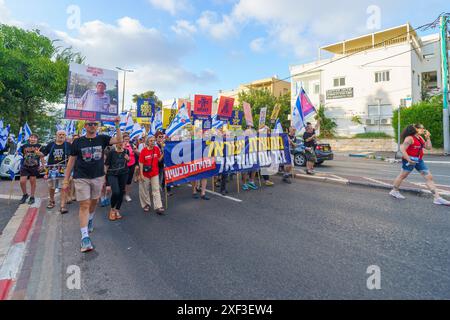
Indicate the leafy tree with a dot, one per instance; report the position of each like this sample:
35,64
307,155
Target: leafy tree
33,76
259,99
428,113
327,125
148,95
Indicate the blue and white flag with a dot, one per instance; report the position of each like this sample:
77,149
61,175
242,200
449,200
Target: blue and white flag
11,173
137,131
59,127
217,124
278,128
83,132
70,128
123,120
20,138
130,123
27,132
1,124
4,133
298,121
180,120
157,123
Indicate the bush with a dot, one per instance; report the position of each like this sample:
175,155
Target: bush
373,135
327,125
428,113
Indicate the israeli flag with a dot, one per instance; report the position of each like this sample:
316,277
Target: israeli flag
278,128
298,121
83,132
70,128
27,132
20,137
123,120
217,124
180,120
137,131
1,124
157,123
4,133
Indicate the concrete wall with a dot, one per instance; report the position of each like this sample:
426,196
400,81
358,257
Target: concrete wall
361,145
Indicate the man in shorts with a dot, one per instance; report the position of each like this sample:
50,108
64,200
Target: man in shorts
31,166
87,162
58,152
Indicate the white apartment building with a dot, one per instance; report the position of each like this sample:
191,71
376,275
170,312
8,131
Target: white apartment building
371,76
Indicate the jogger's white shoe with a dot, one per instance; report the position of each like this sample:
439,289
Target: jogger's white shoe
441,201
396,194
127,198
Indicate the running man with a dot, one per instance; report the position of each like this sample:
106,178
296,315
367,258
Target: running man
87,162
58,153
412,150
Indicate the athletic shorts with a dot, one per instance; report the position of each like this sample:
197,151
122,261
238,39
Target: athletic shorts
420,166
29,171
88,189
310,156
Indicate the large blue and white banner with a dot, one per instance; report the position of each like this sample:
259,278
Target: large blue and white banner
191,160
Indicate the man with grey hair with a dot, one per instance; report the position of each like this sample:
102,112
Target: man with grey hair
96,100
58,153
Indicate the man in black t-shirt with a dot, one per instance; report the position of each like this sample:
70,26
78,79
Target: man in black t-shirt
87,162
31,165
58,152
309,138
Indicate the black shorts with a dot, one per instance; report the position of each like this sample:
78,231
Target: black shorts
29,171
130,174
310,156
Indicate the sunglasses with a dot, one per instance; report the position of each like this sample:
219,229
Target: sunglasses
92,124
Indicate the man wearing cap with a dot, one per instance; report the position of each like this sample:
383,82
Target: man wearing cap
87,162
96,100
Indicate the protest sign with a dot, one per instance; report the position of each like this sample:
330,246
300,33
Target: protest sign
248,114
225,110
168,116
202,107
92,94
275,113
145,108
262,117
191,160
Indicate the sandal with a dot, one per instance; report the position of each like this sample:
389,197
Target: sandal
118,216
160,211
63,211
146,209
112,215
51,204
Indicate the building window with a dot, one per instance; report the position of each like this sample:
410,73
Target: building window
382,76
316,88
430,80
339,82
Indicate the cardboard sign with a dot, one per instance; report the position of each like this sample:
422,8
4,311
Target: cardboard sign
225,110
275,113
145,108
236,119
203,106
168,115
262,117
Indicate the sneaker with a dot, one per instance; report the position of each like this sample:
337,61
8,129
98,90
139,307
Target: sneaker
31,201
396,194
269,183
91,226
86,245
441,201
205,197
103,203
108,201
195,195
245,187
24,199
287,180
127,198
252,185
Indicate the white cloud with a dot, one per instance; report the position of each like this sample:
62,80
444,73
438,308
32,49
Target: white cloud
183,28
210,23
257,45
172,6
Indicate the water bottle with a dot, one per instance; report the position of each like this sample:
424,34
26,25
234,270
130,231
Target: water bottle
415,159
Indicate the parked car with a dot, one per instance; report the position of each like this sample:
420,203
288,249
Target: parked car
323,153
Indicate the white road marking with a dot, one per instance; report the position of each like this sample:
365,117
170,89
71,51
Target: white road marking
377,181
6,197
12,262
219,195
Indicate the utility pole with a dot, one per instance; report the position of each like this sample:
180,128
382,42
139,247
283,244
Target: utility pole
444,59
124,80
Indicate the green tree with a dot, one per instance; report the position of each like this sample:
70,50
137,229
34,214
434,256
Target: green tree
33,76
148,95
428,113
259,99
327,125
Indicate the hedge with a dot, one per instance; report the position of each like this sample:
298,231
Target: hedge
428,113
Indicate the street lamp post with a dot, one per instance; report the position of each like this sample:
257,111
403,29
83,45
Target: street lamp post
124,80
379,113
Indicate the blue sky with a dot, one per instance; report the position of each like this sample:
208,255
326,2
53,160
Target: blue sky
182,47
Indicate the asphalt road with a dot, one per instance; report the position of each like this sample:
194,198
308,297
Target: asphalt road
384,170
308,240
7,210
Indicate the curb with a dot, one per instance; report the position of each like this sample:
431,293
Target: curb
15,238
362,184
